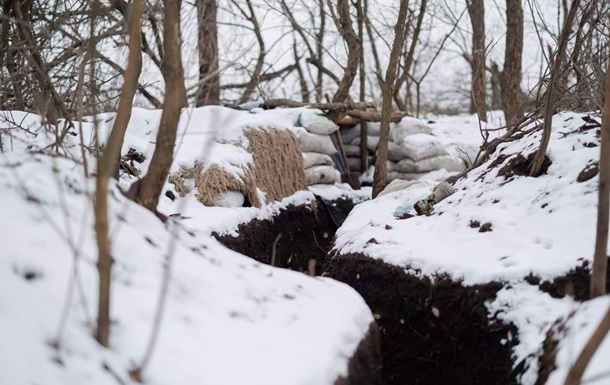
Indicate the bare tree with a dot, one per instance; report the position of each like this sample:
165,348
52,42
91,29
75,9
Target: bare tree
556,68
106,165
478,103
600,257
409,58
147,190
207,35
343,22
574,376
510,78
380,177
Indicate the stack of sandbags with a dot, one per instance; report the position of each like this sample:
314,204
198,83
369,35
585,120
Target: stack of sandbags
314,132
413,152
351,139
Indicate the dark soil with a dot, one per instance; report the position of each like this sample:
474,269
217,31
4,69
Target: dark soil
431,332
520,165
306,233
575,283
364,367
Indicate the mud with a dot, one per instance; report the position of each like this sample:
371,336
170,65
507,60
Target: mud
431,332
364,367
299,235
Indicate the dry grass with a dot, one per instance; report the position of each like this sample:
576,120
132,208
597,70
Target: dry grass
278,163
277,170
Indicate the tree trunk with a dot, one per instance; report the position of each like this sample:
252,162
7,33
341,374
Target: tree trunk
209,91
476,11
147,190
354,45
106,165
600,257
574,376
496,87
512,98
380,177
556,66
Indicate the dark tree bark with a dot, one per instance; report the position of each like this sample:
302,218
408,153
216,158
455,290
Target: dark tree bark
556,67
380,177
496,86
512,98
600,257
478,105
207,33
147,190
400,102
107,163
354,45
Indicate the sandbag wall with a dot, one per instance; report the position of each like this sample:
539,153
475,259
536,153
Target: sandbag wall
413,151
314,130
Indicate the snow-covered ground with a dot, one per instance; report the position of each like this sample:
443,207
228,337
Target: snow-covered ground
541,226
226,320
229,319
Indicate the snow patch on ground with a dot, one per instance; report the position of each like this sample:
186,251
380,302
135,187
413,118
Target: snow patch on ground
228,319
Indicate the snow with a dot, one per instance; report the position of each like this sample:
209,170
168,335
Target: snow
578,329
542,226
530,231
227,318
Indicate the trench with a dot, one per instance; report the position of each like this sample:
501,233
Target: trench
430,331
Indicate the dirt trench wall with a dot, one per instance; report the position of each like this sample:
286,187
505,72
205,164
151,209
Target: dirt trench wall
307,233
431,333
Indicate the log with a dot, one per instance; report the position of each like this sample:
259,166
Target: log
339,107
374,116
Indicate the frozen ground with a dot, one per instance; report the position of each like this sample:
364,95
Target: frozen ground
541,226
223,308
227,319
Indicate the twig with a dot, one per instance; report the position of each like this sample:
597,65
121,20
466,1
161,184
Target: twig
274,248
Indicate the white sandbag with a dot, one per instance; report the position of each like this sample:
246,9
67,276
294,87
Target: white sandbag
315,122
351,150
230,198
321,144
354,164
447,162
466,151
421,146
436,175
311,159
373,128
397,152
408,126
371,143
397,185
322,175
350,133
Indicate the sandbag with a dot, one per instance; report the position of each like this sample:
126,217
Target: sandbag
350,133
397,185
311,159
466,151
397,152
316,122
322,175
354,164
436,175
321,144
371,143
373,128
408,126
421,146
351,150
447,162
230,198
